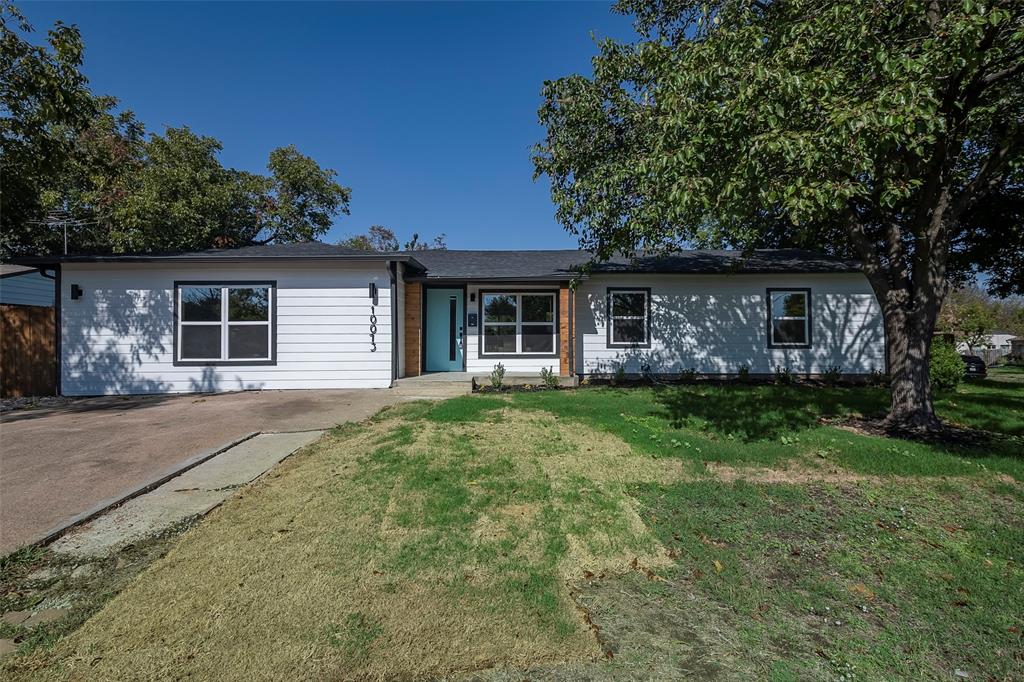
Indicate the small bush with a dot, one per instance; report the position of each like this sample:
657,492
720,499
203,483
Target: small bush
946,367
832,375
744,373
498,375
689,376
877,379
620,376
549,378
783,376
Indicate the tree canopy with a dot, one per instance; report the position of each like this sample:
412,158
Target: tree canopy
380,238
887,131
71,157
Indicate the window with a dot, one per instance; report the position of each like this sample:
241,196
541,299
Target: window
789,318
629,319
224,323
518,323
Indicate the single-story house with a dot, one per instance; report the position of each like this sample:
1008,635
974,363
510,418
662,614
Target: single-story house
21,285
997,341
320,316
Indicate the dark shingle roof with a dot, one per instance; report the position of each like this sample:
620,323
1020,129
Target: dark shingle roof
310,250
500,265
452,264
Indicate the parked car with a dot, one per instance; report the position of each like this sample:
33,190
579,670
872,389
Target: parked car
975,367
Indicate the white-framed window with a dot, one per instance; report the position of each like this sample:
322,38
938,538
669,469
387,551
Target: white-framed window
629,318
224,322
789,318
518,323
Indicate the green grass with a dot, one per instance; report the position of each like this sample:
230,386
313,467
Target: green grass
878,580
767,425
441,538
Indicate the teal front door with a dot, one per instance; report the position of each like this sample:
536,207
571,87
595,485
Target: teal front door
444,330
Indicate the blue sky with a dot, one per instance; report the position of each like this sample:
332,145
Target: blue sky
427,111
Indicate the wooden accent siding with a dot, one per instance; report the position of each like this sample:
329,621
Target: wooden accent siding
564,340
413,323
28,359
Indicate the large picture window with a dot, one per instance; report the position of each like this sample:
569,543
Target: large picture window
230,322
518,323
629,312
789,318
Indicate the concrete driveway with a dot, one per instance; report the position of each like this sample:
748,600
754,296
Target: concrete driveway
59,463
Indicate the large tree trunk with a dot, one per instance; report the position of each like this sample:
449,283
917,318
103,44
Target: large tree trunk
909,342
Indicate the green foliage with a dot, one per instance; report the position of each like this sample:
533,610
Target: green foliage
832,375
946,367
46,103
743,373
887,132
498,375
380,238
548,377
619,377
70,159
783,376
971,316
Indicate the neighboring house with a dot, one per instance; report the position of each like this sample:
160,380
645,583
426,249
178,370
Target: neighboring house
321,316
20,285
997,341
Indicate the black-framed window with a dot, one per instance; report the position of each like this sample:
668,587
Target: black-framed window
629,318
518,323
224,323
789,318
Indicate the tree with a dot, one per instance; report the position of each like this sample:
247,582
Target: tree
867,129
71,156
380,238
415,244
45,102
969,315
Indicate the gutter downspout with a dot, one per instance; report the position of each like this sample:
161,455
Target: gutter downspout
393,272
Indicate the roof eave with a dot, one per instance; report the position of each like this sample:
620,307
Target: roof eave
35,261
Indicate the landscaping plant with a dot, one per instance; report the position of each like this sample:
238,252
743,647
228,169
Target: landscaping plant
946,367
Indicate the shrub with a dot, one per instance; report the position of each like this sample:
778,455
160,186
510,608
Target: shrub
832,375
620,375
744,373
946,367
689,375
498,375
783,376
878,378
549,378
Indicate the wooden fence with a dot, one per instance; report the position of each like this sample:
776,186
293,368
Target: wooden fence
28,351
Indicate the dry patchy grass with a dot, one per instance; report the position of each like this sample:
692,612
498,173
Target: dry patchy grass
404,548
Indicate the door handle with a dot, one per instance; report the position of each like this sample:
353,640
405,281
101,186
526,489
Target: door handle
460,337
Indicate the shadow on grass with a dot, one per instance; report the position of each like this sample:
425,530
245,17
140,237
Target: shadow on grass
755,413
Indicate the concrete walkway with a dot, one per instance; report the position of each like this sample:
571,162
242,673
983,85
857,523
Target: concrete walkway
193,493
63,464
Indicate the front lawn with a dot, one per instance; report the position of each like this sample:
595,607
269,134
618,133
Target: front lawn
718,532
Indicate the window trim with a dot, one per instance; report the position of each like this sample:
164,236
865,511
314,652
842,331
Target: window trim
272,284
609,293
808,324
556,337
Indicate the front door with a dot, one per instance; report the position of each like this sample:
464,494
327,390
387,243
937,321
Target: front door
444,330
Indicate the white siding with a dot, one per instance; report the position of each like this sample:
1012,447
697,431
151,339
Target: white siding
479,365
717,323
28,289
118,338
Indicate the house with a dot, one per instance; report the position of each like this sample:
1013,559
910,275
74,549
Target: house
21,285
997,341
320,316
